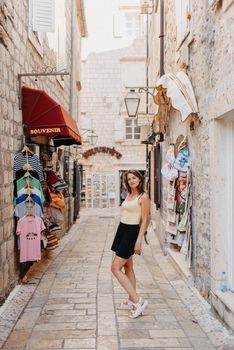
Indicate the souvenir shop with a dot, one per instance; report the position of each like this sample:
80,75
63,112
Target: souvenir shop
45,177
176,110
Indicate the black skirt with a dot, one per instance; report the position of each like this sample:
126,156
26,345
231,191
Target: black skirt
125,239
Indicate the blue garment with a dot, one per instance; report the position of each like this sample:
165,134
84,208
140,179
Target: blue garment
34,197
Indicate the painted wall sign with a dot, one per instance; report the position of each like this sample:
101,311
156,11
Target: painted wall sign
95,150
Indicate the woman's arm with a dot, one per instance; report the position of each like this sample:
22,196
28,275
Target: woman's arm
145,214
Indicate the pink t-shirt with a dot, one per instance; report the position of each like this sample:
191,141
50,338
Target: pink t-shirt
29,230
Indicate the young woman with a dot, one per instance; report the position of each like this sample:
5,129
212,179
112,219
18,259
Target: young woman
128,238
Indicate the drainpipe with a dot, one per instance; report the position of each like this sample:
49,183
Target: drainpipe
71,109
147,61
71,100
161,38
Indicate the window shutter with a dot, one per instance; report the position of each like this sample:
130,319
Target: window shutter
43,15
119,129
62,58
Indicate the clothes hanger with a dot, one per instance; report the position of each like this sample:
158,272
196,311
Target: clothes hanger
29,199
30,213
27,174
26,149
28,185
27,166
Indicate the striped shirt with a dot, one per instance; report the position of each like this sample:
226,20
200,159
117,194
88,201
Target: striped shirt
20,160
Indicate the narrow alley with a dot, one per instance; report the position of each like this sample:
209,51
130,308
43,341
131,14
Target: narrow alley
71,300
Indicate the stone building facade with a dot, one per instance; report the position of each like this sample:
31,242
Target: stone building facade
198,40
23,50
107,76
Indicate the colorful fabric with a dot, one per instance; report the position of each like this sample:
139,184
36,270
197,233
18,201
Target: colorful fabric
57,200
51,177
52,241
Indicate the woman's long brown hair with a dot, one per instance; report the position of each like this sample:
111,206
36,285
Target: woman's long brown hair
140,187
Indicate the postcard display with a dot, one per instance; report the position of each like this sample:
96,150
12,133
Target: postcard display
179,200
100,191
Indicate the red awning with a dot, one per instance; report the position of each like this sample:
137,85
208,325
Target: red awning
43,116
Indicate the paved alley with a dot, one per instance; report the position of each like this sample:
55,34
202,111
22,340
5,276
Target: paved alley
71,300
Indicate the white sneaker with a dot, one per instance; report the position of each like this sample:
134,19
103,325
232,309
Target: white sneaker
125,305
138,308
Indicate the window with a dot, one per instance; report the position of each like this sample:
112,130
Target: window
133,24
132,130
128,24
41,20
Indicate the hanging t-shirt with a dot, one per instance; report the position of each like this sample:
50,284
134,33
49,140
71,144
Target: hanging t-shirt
20,173
22,208
24,180
29,229
33,190
21,159
34,197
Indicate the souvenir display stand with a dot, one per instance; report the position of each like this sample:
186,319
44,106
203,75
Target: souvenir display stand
179,199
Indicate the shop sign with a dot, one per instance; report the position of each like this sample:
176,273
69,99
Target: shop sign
43,131
95,150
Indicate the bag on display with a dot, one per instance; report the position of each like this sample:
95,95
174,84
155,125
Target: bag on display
168,171
182,160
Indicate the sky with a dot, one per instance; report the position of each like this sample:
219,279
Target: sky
99,18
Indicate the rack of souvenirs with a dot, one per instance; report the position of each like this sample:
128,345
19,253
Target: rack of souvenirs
179,198
38,204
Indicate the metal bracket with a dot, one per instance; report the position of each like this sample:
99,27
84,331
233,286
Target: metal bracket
49,71
140,89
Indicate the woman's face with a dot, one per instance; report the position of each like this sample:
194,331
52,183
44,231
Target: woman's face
133,180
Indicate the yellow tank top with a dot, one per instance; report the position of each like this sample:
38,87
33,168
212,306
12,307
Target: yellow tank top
131,212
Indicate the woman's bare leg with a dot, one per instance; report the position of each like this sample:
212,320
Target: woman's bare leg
116,268
128,268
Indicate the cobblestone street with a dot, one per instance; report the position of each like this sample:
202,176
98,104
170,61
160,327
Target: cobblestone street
71,298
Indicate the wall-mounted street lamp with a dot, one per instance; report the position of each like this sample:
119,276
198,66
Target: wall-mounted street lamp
92,136
132,102
132,99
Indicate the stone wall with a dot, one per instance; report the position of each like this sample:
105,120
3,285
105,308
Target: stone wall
210,68
18,55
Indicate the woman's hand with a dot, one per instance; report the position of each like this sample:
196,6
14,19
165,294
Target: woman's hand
137,248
